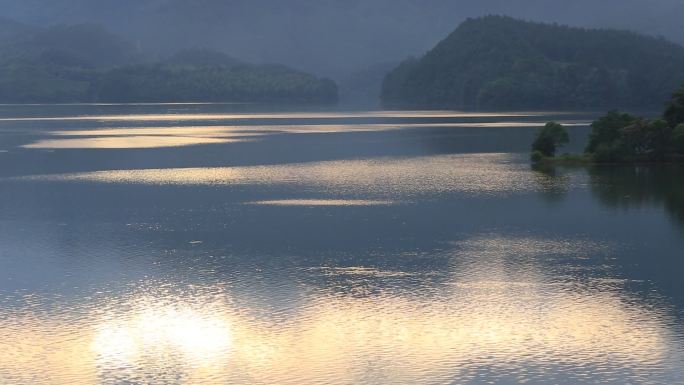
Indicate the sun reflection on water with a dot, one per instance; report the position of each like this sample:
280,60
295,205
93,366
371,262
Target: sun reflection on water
367,179
175,136
282,115
200,337
498,313
321,202
123,142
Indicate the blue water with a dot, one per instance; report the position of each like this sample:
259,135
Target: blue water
230,244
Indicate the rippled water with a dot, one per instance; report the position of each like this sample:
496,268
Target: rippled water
209,244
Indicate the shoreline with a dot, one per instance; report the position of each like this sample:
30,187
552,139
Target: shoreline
588,160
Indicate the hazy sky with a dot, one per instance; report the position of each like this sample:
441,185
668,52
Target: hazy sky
330,37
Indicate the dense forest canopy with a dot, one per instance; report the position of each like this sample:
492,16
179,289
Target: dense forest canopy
244,83
347,40
86,63
329,37
620,137
501,62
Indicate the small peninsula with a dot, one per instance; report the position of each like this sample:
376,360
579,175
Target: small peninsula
620,137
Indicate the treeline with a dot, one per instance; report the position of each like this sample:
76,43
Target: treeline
85,63
619,137
500,62
622,137
244,83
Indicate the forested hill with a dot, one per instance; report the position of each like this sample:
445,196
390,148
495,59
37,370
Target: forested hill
501,62
86,63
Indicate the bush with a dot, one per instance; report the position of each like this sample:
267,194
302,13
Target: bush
536,156
678,139
608,153
549,138
623,137
674,114
659,138
647,138
607,129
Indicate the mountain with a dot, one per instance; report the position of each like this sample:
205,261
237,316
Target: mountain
501,62
328,37
202,57
340,39
88,45
58,63
87,63
160,82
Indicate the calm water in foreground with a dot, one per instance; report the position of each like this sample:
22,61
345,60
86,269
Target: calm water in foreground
206,244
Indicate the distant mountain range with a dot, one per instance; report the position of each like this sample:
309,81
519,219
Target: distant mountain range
329,37
87,45
501,62
490,62
87,63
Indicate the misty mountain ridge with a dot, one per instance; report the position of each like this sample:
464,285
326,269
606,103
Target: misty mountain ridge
59,54
199,56
501,62
330,38
92,45
88,45
87,63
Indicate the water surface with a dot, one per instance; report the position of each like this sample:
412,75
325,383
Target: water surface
185,244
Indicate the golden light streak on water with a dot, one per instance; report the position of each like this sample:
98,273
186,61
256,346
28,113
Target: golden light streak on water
321,202
156,137
500,323
121,142
378,177
153,330
285,128
284,115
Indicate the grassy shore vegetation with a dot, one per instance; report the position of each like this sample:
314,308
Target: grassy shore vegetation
620,137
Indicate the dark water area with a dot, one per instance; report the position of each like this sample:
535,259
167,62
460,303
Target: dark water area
184,244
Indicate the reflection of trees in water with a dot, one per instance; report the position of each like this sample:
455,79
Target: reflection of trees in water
624,186
635,186
632,187
553,182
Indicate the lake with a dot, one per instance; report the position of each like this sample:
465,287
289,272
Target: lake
238,244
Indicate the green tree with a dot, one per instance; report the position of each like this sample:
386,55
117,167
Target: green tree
549,138
606,130
660,138
674,114
678,139
647,138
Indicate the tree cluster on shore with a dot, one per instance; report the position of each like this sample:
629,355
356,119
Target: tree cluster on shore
623,137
